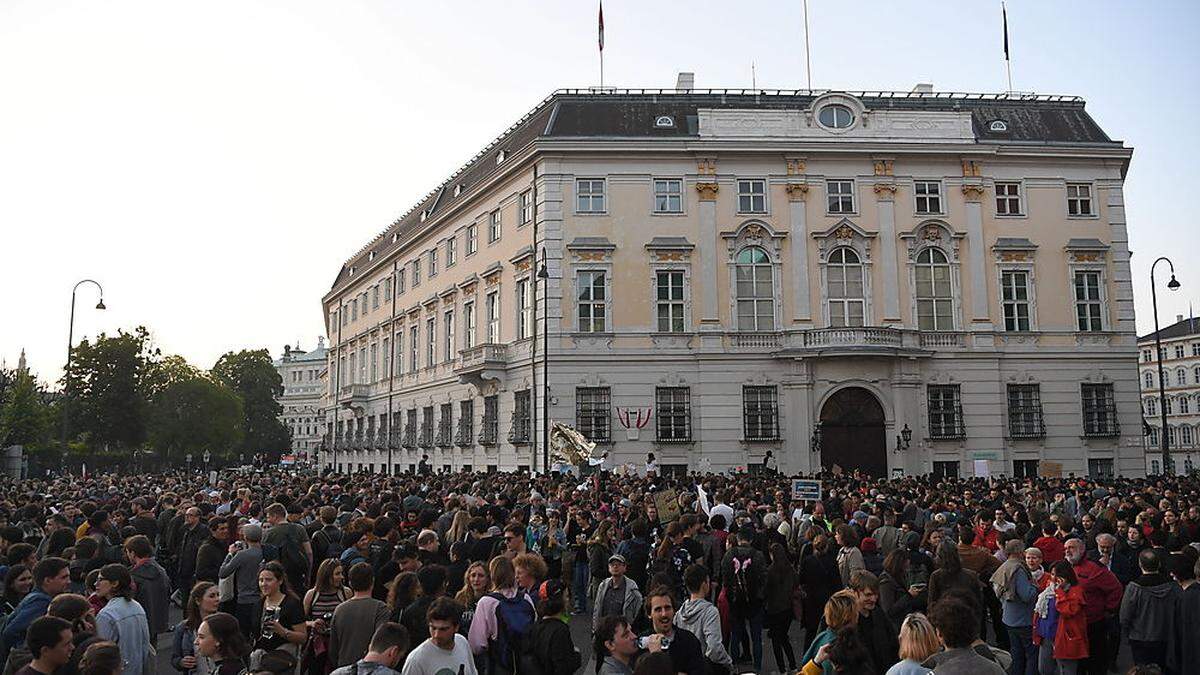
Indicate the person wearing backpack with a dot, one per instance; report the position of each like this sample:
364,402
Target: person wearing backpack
744,575
549,649
326,542
502,619
242,564
295,551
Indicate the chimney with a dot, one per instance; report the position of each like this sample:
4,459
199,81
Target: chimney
923,88
685,81
1178,318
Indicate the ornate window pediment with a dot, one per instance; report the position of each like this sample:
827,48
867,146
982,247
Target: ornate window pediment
936,233
754,233
844,233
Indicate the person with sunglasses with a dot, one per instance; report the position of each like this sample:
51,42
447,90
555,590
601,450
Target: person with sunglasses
123,620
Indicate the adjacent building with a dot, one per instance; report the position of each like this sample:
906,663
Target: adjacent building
303,402
1180,358
894,282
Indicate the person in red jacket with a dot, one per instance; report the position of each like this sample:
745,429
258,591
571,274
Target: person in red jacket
1102,601
1071,635
1051,548
986,535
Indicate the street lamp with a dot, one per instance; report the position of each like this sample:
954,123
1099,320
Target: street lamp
903,438
544,274
70,341
1173,285
188,459
207,457
814,443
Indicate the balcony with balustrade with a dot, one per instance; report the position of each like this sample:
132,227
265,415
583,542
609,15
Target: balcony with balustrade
482,362
354,395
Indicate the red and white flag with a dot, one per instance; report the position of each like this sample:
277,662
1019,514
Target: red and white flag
602,26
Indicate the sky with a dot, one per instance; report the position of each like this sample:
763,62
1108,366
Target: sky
213,163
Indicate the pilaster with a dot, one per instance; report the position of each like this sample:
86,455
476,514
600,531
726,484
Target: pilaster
885,194
973,192
797,191
706,189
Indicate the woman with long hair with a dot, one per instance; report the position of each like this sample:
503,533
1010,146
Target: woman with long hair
841,612
202,603
918,641
101,658
1071,635
458,529
599,548
404,591
17,584
951,576
281,625
475,585
819,579
327,593
899,595
849,558
123,620
219,639
781,580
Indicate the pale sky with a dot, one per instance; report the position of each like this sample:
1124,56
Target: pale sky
213,163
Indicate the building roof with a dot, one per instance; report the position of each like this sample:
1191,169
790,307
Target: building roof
1182,328
296,356
630,114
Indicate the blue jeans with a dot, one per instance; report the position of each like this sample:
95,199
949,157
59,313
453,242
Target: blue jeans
579,588
1024,652
755,619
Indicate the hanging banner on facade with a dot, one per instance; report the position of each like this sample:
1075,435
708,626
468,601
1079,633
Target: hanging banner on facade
667,502
806,489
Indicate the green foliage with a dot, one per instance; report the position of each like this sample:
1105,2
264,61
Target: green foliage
252,375
109,386
25,417
193,415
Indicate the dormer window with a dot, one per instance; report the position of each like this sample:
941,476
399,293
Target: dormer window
500,156
424,215
351,271
664,122
371,256
998,126
458,189
836,116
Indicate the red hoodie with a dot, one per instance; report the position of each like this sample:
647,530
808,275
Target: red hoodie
1051,548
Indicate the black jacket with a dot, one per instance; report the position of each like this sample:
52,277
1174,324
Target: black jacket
209,558
879,636
549,643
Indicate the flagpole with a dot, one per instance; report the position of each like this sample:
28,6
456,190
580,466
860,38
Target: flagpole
1007,58
601,41
807,54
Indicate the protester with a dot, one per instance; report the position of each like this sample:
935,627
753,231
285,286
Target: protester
387,649
219,639
701,618
102,658
201,603
918,641
956,625
151,583
446,651
51,645
123,620
687,655
549,642
354,621
1148,611
617,595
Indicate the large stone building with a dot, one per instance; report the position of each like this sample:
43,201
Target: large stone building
1181,374
303,401
895,282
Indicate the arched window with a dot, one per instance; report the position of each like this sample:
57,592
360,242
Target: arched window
935,302
1181,377
1185,405
1153,438
1170,407
1196,374
1173,436
1185,435
1150,379
1151,407
845,284
755,290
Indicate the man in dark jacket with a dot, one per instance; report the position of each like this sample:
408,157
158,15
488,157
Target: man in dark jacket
549,641
212,551
152,587
874,626
1148,611
687,654
186,543
744,575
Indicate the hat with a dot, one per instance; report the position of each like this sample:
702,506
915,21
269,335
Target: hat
617,557
868,545
551,587
626,503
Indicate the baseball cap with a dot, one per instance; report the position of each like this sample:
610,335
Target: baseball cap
617,557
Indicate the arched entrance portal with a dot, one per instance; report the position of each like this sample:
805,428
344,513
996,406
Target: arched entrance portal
852,432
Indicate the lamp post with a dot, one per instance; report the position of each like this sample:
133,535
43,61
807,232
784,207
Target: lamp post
814,443
903,438
544,274
207,457
70,342
188,459
1158,353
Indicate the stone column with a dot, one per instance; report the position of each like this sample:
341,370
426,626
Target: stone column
885,194
981,319
710,317
797,192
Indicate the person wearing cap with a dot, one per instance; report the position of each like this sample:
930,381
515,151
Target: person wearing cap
618,595
549,641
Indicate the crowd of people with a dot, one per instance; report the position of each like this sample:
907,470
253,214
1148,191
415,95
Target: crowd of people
436,574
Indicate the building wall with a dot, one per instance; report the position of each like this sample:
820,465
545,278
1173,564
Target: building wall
303,401
1182,369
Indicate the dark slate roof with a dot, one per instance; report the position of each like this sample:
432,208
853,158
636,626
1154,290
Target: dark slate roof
1179,329
631,113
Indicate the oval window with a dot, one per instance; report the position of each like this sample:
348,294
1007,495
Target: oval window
835,116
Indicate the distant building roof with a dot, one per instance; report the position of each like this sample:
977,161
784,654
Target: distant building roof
295,356
1184,327
581,113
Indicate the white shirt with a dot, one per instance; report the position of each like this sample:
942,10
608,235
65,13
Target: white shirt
430,659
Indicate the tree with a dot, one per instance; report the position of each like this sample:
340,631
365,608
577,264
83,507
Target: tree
25,418
193,415
252,375
108,389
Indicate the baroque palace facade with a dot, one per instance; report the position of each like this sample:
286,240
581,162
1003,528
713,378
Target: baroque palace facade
892,282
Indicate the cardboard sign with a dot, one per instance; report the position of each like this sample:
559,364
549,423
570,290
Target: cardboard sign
982,469
806,489
667,502
1050,469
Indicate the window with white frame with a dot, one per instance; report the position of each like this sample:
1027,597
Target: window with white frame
844,285
1185,435
1099,410
1196,349
524,310
430,342
928,195
375,296
451,251
589,195
668,294
362,365
1014,298
416,268
1169,405
525,208
472,239
1147,356
413,351
1151,406
494,226
1089,310
1196,374
752,195
668,195
1179,351
433,262
1180,377
401,276
1008,199
673,411
374,363
400,351
754,290
591,295
593,413
840,196
448,335
387,290
760,413
493,317
1149,379
468,324
935,300
1185,405
354,309
1079,199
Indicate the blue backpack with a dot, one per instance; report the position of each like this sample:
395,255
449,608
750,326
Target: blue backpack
514,617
